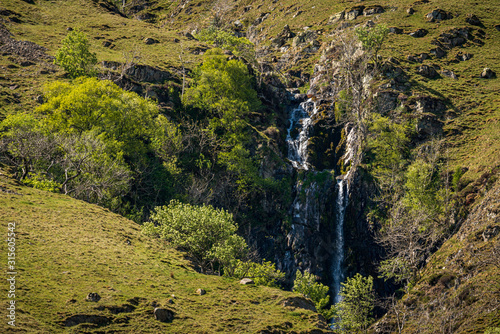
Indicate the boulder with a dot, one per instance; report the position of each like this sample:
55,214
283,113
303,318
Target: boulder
286,32
473,20
237,25
497,27
488,74
260,19
278,42
163,314
246,281
463,56
438,15
427,71
418,33
438,52
369,24
449,74
201,292
189,36
93,297
452,38
395,30
149,41
410,11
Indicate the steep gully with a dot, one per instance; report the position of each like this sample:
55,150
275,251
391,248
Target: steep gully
308,210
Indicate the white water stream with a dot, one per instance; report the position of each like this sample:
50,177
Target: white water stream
338,251
300,121
297,140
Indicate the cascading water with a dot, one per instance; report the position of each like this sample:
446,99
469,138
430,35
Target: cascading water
300,121
338,251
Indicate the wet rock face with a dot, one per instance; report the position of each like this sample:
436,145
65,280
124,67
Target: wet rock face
309,238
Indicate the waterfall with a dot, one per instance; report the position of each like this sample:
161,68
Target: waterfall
300,121
309,206
338,251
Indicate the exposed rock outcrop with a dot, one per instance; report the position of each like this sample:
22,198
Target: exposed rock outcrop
488,73
438,15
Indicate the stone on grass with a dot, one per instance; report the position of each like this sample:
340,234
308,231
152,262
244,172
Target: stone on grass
427,71
93,297
150,41
473,20
163,314
463,56
449,74
438,15
418,33
488,73
246,281
201,292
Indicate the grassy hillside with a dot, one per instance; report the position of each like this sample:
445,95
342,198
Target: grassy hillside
66,249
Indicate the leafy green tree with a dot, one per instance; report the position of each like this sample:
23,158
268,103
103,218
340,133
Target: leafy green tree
306,284
422,196
372,38
75,56
354,311
101,106
207,234
388,154
223,88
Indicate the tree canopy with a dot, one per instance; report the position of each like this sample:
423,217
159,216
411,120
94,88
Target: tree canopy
75,55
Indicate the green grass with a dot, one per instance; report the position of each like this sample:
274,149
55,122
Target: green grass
67,248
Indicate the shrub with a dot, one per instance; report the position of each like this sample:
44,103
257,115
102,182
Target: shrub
306,284
75,57
207,234
355,308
